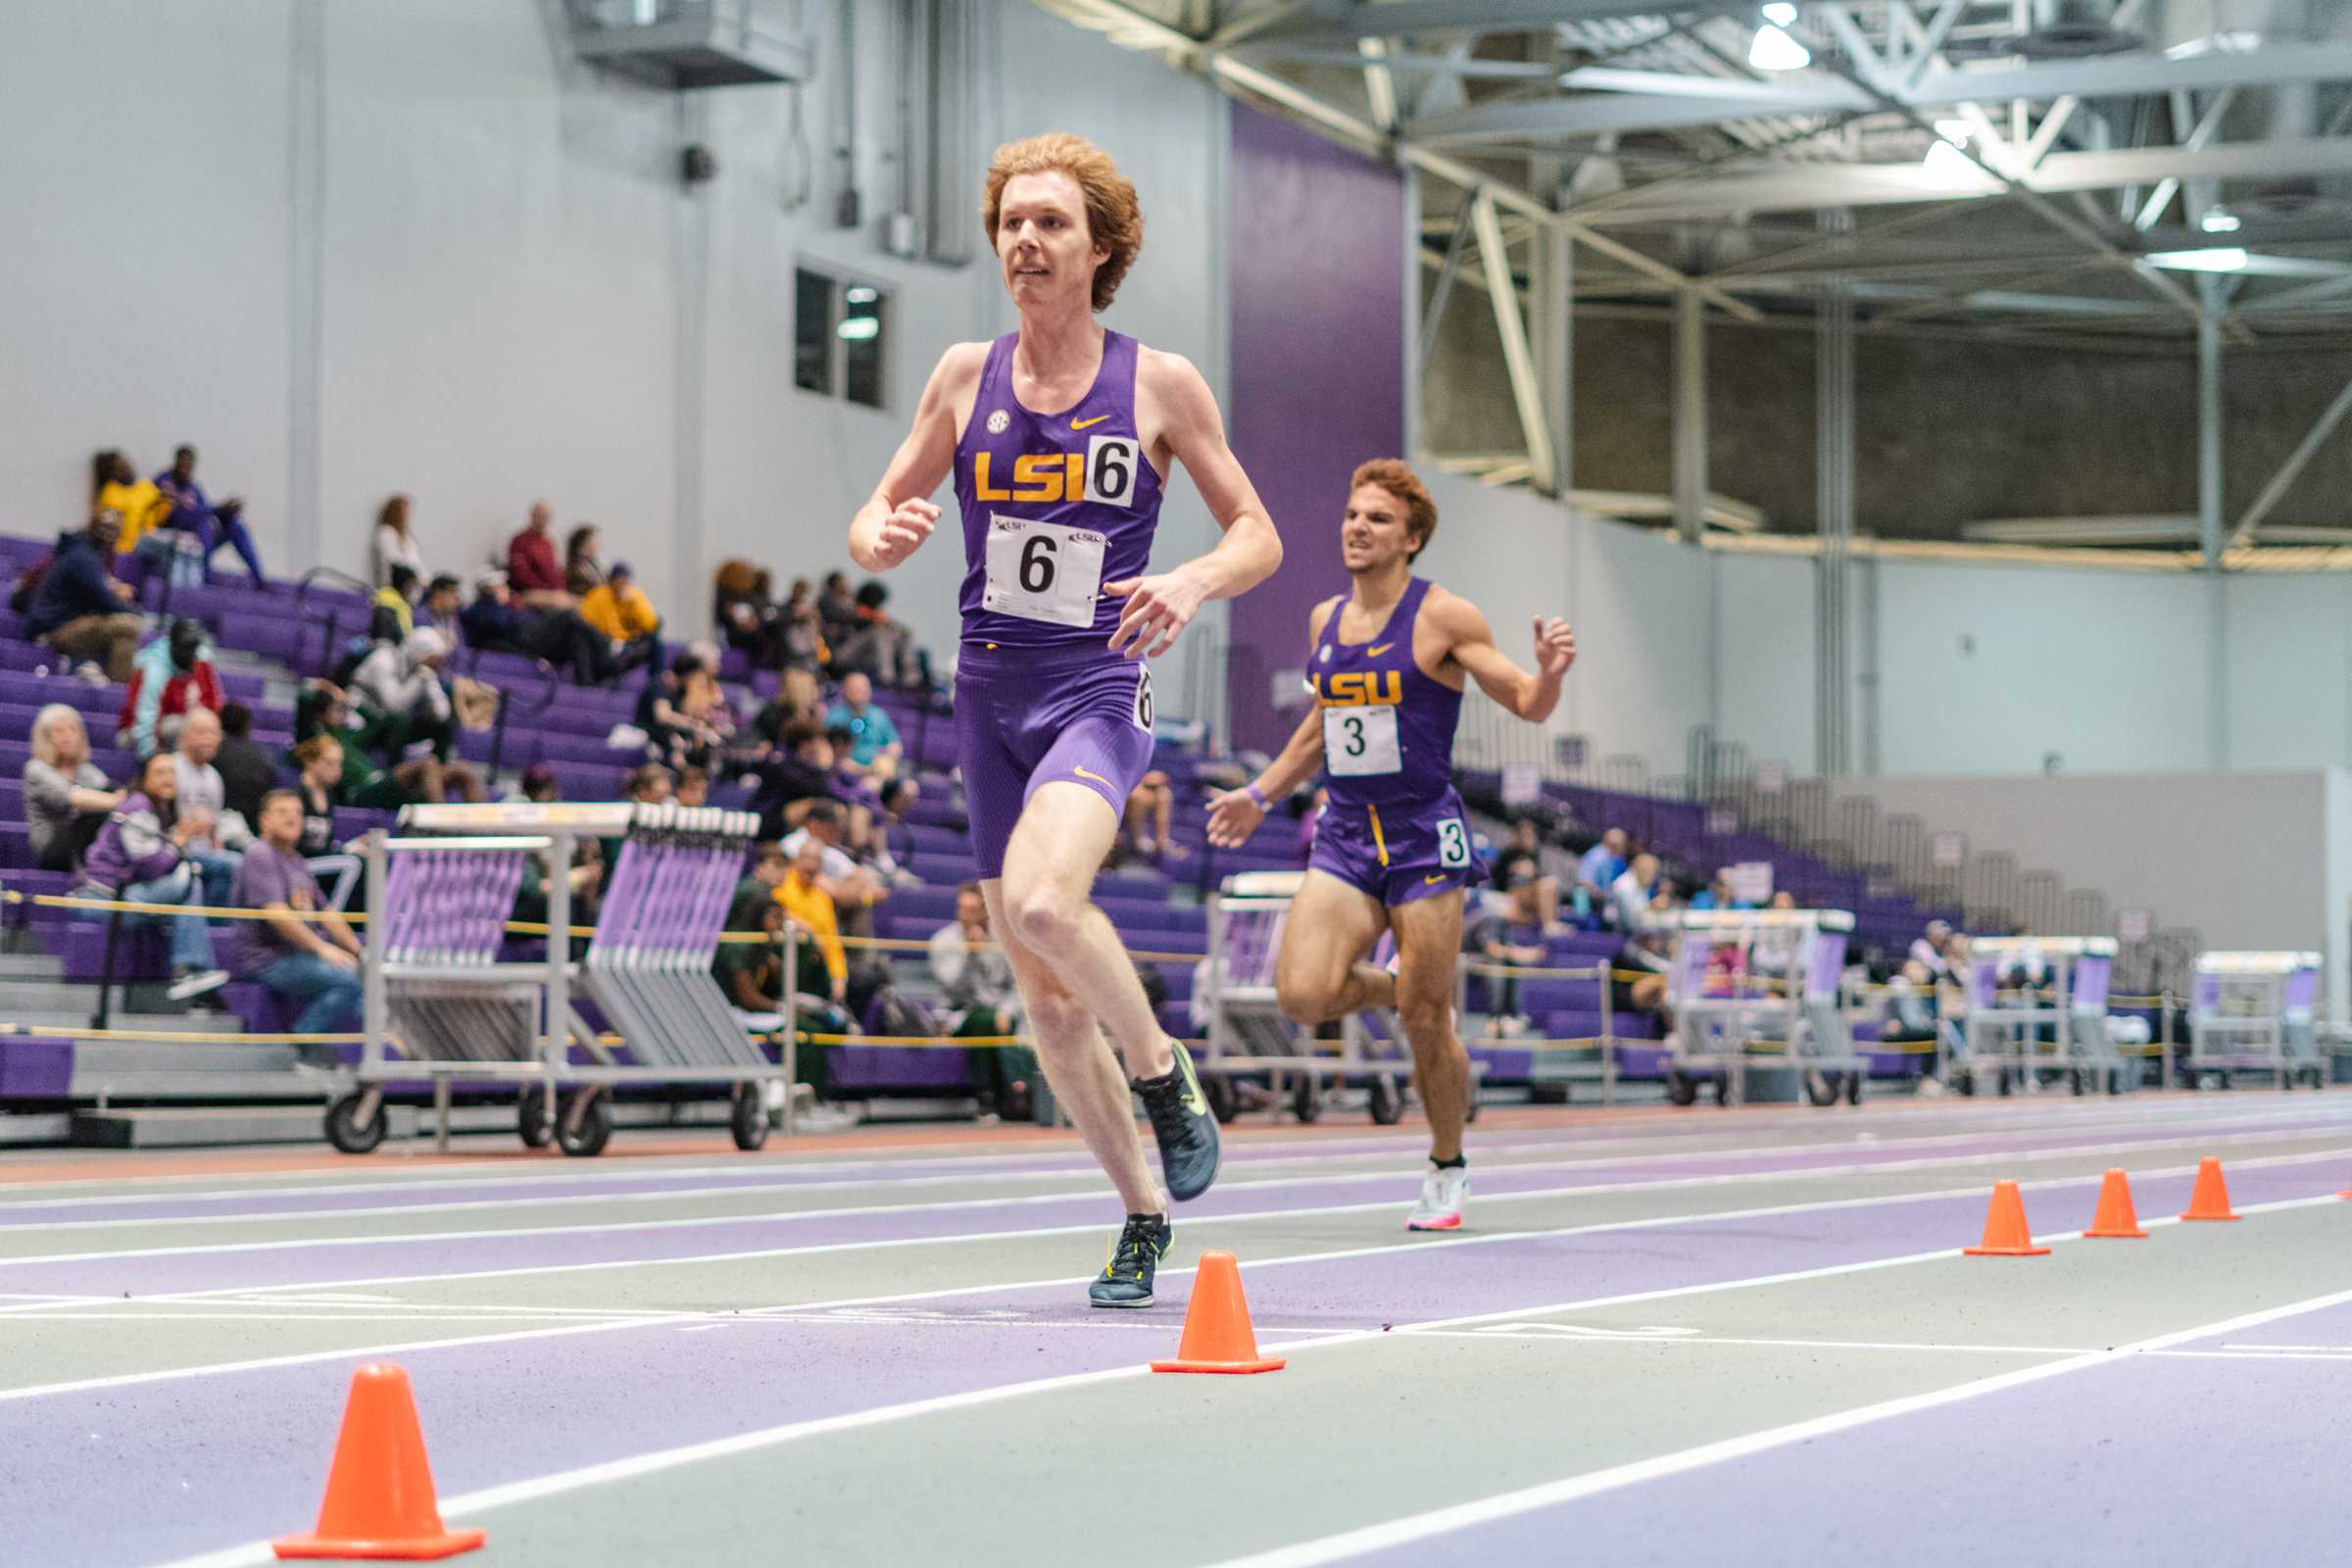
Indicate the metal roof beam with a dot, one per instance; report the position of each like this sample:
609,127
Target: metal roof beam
1369,20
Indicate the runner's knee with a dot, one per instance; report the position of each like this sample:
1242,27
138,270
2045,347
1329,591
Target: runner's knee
1045,919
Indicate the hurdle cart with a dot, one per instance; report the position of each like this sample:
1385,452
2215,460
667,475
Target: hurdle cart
2022,1036
2254,1012
443,1006
1754,989
1250,1044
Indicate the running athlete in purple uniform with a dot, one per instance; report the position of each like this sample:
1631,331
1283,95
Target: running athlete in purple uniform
1389,664
1060,610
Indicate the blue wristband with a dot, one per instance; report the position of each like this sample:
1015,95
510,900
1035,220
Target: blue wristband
1258,797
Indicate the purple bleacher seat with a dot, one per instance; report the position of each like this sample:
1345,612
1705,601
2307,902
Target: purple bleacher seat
142,953
35,1067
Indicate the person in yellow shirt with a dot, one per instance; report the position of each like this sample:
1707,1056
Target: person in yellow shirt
822,966
626,622
141,502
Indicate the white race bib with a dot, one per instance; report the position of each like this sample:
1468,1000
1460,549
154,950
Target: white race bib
1043,571
1360,740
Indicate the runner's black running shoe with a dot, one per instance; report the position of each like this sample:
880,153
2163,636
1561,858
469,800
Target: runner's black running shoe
1188,1146
1135,1256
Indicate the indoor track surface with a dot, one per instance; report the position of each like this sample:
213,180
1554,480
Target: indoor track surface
1742,1336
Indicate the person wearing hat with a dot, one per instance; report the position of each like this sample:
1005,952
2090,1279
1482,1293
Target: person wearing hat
497,623
621,615
399,685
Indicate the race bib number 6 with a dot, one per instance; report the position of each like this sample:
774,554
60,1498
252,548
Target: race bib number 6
1042,571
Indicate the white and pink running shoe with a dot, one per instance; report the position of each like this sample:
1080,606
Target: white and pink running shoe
1444,1192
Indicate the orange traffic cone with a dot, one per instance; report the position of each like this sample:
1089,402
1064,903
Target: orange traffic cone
2006,1234
2211,1197
380,1494
2116,1217
1217,1337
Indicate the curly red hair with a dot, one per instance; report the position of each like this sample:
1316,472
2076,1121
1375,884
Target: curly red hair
1113,219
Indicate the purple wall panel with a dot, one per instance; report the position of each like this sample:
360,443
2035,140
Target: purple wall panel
1317,268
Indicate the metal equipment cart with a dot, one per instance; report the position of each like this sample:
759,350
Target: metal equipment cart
2254,1012
1754,989
2016,1035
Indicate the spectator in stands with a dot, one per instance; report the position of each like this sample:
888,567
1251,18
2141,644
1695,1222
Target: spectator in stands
684,712
836,612
878,644
171,675
693,787
496,623
875,744
853,889
78,608
1151,812
745,614
1602,864
1637,893
218,837
583,573
1520,862
1933,950
975,981
1511,939
246,771
798,772
67,800
316,964
399,689
316,787
212,523
1718,894
439,608
626,622
116,486
533,571
397,599
801,634
139,857
649,785
325,710
394,544
798,701
752,974
1638,978
1909,1010
540,785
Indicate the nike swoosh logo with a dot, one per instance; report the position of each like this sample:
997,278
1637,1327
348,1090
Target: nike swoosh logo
1438,878
1194,1101
1097,778
1378,649
1079,424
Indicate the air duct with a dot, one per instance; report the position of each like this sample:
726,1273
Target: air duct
689,44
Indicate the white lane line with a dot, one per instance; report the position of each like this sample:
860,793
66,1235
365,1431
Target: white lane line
1583,1158
1441,1521
1455,1240
640,1465
1546,1333
1662,1128
949,1205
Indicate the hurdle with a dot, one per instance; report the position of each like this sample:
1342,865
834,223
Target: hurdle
1761,988
443,1006
1248,1035
2017,1036
2253,1012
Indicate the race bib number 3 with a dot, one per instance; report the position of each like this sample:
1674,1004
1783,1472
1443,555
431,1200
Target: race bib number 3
1360,740
1042,571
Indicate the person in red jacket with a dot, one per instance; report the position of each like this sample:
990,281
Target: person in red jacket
533,571
171,675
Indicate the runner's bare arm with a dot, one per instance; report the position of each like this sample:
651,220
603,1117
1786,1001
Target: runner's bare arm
1235,814
899,516
1471,645
1161,606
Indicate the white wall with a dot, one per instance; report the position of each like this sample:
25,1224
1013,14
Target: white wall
515,296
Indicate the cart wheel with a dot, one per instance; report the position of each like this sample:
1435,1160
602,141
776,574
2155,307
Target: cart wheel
1853,1086
1386,1104
1820,1089
1222,1102
1306,1101
2075,1077
2313,1077
346,1132
746,1118
531,1120
1723,1088
1681,1087
2115,1080
2213,1080
2004,1082
1964,1082
595,1123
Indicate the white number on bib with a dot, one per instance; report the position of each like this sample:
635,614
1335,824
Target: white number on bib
1453,844
1360,740
1110,464
1042,571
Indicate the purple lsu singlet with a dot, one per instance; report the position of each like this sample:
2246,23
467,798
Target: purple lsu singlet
1388,728
1054,507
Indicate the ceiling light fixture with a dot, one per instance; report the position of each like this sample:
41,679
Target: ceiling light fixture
2217,259
2222,224
1781,14
1775,50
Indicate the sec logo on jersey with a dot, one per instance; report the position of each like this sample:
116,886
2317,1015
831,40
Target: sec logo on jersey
998,422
